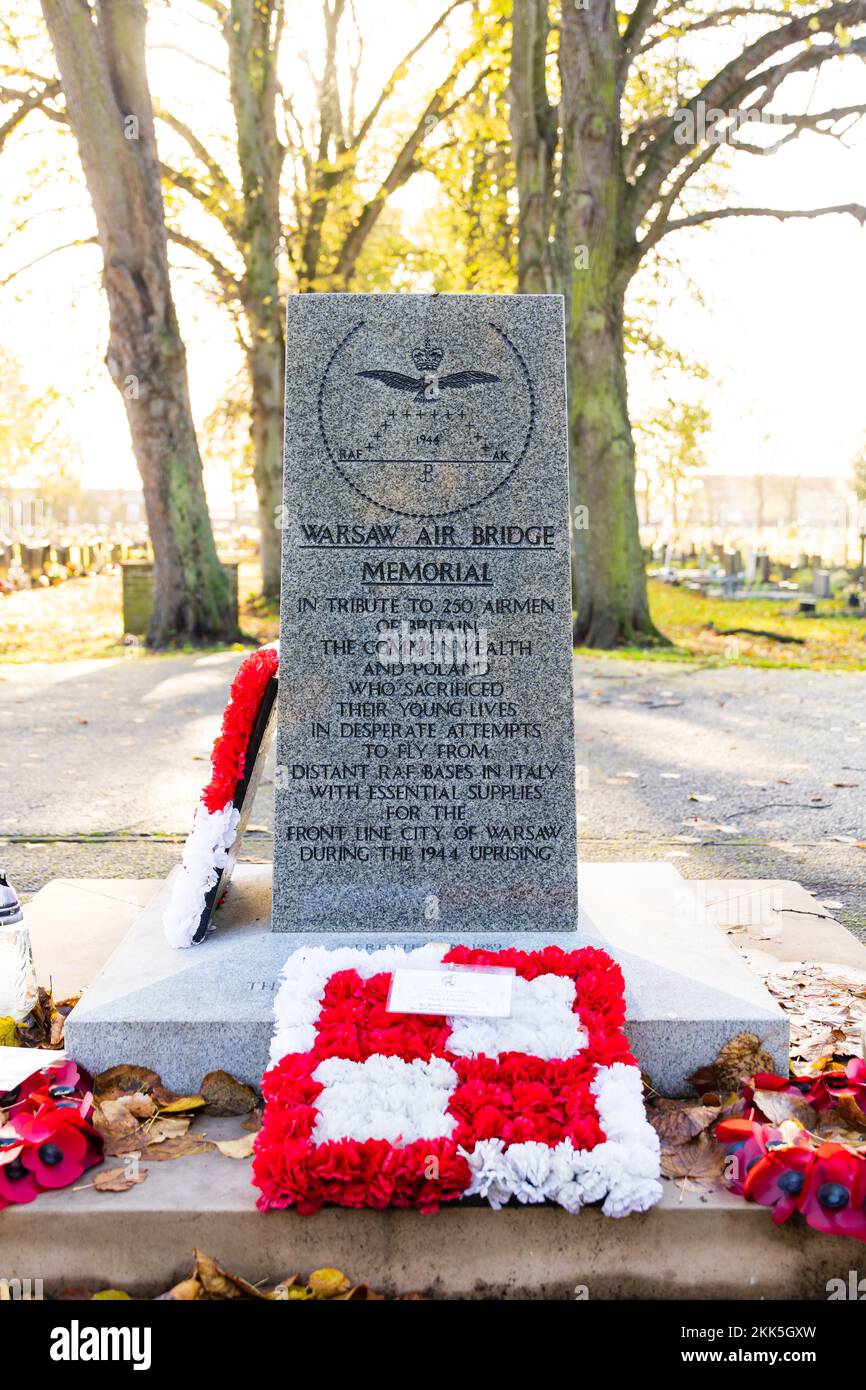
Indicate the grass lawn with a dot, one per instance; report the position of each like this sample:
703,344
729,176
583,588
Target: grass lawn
82,618
696,627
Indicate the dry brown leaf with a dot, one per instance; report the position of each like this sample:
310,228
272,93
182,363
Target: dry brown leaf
702,1161
704,1079
218,1284
253,1122
678,1122
846,1118
168,1128
225,1095
237,1148
120,1130
122,1080
141,1105
182,1147
118,1179
779,1106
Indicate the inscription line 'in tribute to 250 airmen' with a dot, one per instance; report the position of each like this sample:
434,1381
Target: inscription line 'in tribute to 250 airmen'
425,760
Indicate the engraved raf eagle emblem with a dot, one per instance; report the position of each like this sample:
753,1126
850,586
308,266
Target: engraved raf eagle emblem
429,385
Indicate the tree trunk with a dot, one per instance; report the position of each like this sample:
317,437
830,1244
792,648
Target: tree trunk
267,368
533,140
251,34
100,54
592,243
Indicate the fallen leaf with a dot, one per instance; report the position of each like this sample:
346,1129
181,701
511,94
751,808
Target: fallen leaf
225,1095
8,1032
218,1284
120,1130
118,1179
253,1122
183,1147
702,1162
779,1106
680,1121
181,1105
328,1283
704,1079
109,1295
163,1129
288,1289
849,1112
141,1106
237,1148
187,1291
123,1080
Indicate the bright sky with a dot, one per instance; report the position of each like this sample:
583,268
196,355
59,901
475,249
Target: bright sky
781,328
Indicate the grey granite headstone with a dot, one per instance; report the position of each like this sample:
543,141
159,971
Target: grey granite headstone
425,775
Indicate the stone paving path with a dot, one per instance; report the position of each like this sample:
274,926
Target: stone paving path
730,772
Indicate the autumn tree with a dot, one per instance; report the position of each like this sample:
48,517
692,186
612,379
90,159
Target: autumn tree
100,54
294,217
614,140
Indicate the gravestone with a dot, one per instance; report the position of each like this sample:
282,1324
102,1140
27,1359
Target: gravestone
138,594
425,756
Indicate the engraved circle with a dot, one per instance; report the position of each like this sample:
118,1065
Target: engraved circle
426,428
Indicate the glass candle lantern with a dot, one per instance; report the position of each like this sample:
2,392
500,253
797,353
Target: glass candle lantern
18,991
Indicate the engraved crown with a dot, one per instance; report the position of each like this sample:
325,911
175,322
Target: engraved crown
428,357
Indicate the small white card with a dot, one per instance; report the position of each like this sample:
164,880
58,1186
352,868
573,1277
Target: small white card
458,991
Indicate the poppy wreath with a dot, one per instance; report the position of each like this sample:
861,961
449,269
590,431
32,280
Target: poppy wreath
366,1108
46,1138
216,819
787,1168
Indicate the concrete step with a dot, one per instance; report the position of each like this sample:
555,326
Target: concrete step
693,1245
704,1244
186,1012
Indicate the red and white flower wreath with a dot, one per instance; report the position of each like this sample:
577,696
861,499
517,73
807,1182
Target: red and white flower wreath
215,824
366,1108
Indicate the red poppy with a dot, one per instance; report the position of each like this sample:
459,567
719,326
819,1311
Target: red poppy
35,1127
746,1142
17,1183
778,1179
834,1193
58,1160
11,1144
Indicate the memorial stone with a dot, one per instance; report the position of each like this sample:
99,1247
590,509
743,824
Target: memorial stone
425,775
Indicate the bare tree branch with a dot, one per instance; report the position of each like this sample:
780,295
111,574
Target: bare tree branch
736,80
227,282
222,185
55,250
639,21
399,72
855,210
27,102
404,164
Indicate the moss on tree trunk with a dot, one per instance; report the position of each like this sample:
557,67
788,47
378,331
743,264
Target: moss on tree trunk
592,245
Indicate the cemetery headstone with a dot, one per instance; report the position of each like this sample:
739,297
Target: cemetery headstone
138,594
425,776
821,584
